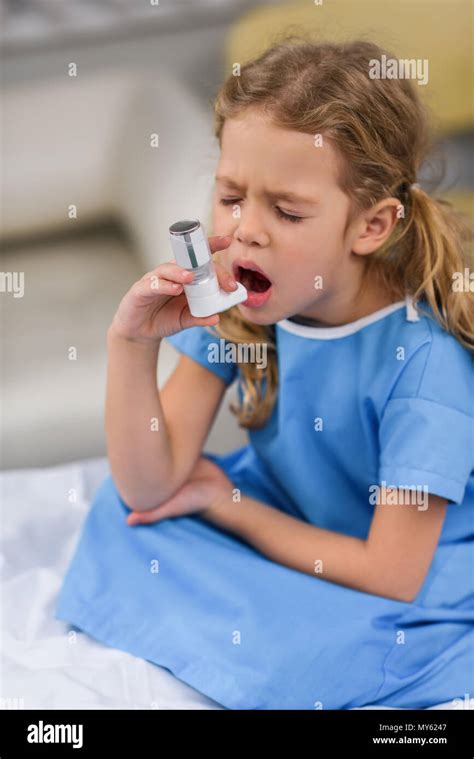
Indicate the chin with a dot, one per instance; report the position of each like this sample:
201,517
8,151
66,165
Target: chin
263,317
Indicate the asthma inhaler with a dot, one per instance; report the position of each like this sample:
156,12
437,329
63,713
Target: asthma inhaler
191,251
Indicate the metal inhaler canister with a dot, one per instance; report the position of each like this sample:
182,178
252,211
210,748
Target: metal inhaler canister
191,251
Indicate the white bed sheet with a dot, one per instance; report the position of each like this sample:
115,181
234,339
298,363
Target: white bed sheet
45,665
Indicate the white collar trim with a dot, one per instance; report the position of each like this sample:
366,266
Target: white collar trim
328,333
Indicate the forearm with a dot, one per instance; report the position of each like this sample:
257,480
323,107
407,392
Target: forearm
138,442
298,544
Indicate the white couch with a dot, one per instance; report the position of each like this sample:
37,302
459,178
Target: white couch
85,141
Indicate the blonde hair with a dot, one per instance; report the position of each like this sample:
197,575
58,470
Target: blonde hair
380,129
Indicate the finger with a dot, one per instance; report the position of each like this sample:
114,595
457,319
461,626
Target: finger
226,280
147,517
143,517
219,242
155,283
174,506
188,320
170,272
157,286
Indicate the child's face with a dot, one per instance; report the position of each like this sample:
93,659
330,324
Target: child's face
307,260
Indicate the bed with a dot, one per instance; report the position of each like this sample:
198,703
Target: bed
48,664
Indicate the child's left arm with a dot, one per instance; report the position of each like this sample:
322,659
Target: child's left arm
393,561
424,435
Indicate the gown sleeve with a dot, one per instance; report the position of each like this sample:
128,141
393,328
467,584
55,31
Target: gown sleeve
426,431
208,349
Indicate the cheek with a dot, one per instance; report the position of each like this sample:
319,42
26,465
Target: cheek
292,276
215,216
304,269
222,221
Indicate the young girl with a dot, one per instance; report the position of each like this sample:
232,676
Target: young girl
329,562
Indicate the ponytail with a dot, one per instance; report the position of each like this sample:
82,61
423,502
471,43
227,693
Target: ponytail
441,253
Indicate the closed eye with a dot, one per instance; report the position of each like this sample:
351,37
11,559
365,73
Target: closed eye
279,212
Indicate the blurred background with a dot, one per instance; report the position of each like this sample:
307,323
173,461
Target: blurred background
86,199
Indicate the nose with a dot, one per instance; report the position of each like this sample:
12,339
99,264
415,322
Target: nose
250,231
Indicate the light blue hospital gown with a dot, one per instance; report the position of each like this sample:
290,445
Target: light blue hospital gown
395,394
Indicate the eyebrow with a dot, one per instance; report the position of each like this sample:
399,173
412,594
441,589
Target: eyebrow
291,197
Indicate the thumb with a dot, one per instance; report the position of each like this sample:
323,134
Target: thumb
219,242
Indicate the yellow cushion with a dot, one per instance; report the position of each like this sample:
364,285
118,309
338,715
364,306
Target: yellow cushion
438,30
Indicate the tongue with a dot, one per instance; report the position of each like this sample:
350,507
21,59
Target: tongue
254,281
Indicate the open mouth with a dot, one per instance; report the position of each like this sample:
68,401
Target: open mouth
253,281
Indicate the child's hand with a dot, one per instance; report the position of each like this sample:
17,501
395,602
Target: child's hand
207,485
156,306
